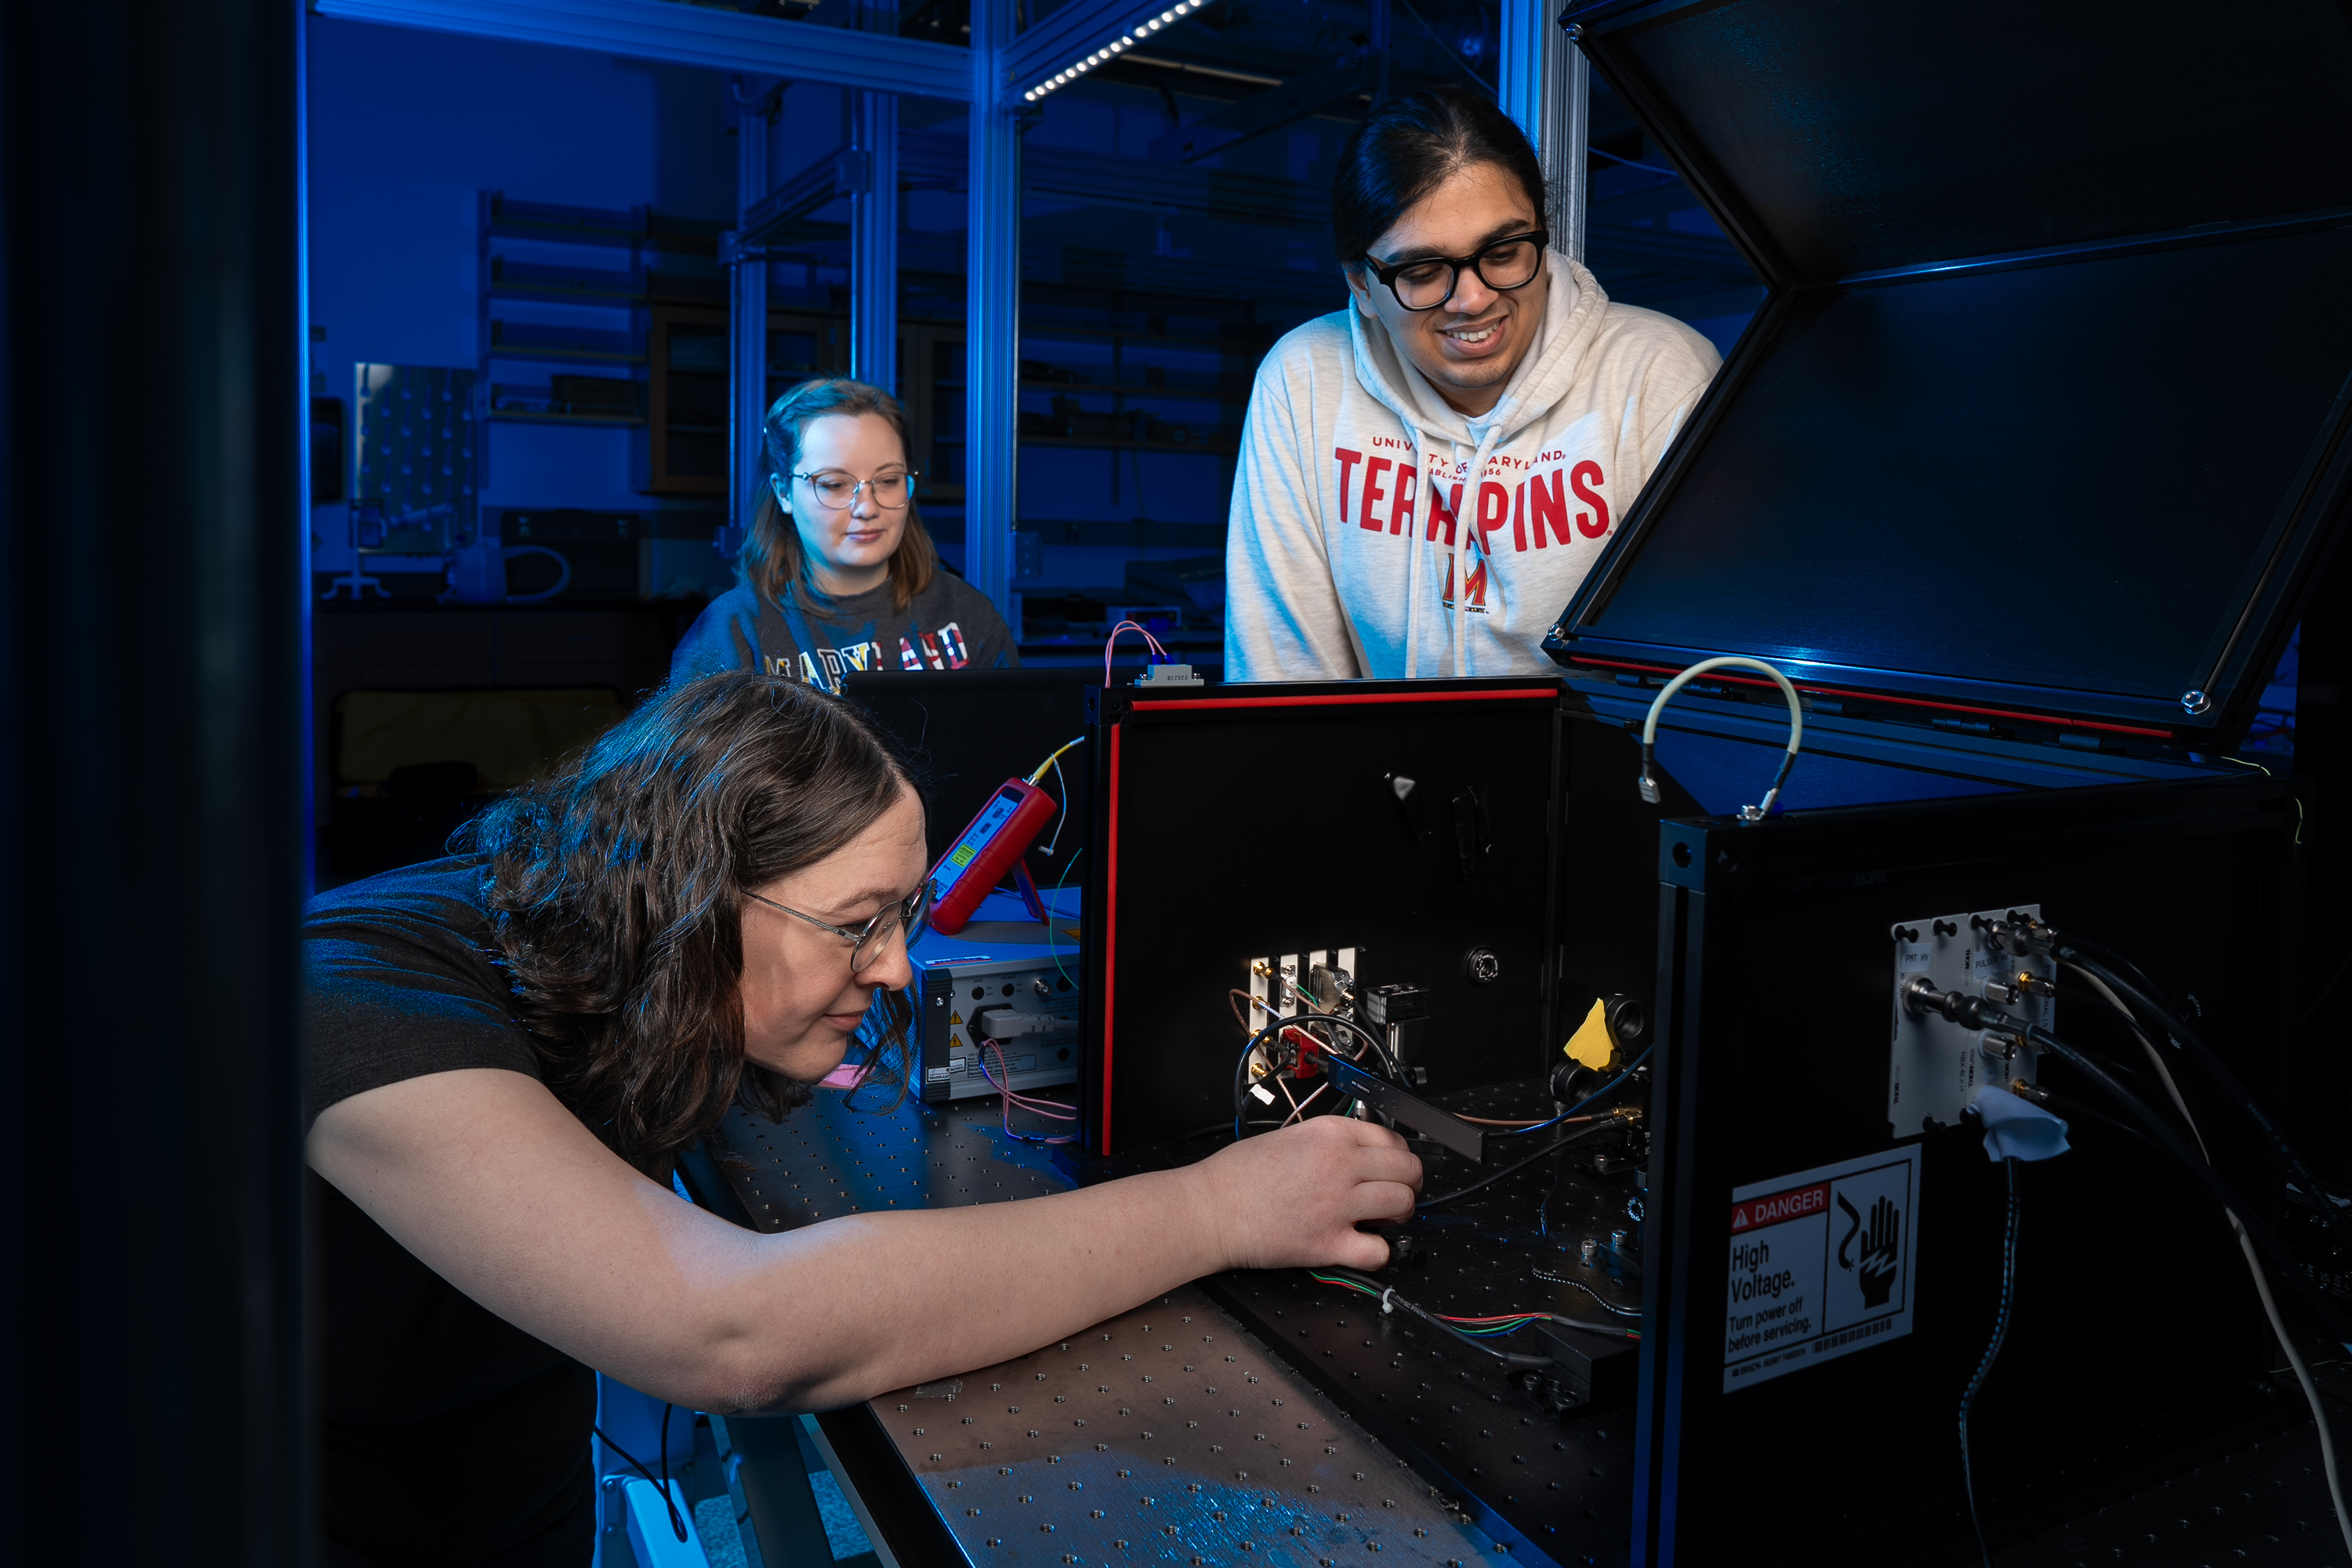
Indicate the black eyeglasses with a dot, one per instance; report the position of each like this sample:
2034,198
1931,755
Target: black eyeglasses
1426,284
867,941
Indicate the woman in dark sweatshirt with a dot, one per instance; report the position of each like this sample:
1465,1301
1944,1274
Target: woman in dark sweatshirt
837,570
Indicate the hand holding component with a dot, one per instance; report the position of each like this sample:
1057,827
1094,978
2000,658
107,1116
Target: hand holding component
1292,1198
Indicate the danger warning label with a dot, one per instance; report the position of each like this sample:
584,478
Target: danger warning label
1820,1265
1780,1206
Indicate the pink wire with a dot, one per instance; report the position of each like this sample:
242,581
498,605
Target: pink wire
1026,1103
1298,1106
1007,1097
1111,640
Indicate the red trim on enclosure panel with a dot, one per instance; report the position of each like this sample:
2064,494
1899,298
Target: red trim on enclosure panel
1882,697
1109,872
1353,698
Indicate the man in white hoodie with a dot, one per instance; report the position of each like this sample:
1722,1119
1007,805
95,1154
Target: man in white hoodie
1427,475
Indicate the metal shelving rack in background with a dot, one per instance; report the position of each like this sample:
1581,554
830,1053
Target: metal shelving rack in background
606,339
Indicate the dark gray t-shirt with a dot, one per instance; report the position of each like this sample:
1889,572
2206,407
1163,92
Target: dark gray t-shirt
948,626
446,1435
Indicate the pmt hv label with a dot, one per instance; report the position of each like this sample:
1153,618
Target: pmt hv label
1821,1265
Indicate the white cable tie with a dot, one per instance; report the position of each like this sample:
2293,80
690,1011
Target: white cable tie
1385,1308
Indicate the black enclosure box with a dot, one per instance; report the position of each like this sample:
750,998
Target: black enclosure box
1778,981
1412,823
2043,423
2023,473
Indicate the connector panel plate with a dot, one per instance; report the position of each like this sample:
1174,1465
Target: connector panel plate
1936,1067
1297,985
1286,985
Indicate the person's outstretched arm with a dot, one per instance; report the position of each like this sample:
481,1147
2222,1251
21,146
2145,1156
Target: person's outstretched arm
484,1177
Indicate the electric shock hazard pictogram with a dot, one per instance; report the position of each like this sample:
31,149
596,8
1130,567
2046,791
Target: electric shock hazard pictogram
1820,1265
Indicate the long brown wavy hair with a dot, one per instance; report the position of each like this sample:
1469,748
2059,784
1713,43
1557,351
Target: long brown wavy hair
616,891
771,559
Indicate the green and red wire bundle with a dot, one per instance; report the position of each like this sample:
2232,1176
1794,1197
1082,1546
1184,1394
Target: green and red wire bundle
1503,1323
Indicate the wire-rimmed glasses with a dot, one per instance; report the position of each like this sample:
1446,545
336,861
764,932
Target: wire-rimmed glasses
868,942
1429,281
837,491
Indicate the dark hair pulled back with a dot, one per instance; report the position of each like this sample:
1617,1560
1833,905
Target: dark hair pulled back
616,891
1410,146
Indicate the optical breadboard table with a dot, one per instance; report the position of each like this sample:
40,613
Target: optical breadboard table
1336,1434
1076,1453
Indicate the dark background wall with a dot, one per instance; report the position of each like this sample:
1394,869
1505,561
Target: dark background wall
405,127
150,671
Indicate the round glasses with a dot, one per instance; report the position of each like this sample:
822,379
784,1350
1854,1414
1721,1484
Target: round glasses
1426,284
867,943
836,490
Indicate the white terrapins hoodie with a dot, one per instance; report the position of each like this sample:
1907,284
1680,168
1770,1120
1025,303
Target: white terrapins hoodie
1355,516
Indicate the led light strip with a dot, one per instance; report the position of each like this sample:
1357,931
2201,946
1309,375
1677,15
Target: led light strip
1113,49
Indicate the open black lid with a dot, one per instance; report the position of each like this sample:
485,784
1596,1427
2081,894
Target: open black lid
2046,410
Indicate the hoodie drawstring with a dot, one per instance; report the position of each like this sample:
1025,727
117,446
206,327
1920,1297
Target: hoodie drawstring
1413,549
1465,517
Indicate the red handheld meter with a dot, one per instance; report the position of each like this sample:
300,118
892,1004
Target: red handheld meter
986,851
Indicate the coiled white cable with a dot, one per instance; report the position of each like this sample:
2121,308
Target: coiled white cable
1758,813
